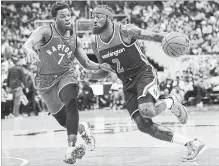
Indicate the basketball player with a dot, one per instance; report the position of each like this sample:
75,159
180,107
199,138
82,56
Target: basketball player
116,45
56,47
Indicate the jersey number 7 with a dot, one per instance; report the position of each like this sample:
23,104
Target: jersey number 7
62,56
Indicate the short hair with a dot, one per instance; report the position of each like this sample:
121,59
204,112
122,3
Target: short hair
59,6
105,7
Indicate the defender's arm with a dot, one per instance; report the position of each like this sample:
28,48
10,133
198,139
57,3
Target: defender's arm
100,74
83,59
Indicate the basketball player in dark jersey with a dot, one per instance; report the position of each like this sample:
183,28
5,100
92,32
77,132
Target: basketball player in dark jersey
116,45
56,47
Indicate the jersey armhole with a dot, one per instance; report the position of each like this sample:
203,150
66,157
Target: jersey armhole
98,54
50,36
123,42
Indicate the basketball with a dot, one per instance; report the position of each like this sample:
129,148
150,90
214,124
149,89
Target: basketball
175,44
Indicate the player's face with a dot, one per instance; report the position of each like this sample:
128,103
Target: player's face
99,23
63,18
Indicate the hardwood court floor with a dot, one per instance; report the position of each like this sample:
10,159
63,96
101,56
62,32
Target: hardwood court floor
41,141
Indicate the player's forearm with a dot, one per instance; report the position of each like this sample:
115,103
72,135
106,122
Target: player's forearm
100,74
91,65
150,36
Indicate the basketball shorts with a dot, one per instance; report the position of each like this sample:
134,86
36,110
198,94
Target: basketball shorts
49,87
145,82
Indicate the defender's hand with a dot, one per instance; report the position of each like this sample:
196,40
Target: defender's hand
32,57
106,67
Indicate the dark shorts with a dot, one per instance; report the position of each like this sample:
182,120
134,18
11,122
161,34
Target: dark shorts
49,88
145,82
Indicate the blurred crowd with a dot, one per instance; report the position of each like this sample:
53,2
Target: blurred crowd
196,83
197,19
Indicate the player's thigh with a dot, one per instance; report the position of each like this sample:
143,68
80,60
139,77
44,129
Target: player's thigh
68,87
61,117
148,92
148,85
69,91
131,102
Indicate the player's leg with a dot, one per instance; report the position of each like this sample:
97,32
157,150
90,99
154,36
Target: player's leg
83,128
61,117
149,108
147,126
149,105
68,94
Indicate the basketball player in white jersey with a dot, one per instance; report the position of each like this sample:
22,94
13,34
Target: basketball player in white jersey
56,47
116,45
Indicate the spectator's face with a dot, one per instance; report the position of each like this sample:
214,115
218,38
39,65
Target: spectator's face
100,23
63,18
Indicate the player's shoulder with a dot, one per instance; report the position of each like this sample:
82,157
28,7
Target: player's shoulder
128,27
44,29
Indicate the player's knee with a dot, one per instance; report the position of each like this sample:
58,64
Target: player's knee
147,110
143,124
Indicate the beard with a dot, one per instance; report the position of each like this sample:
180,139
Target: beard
98,30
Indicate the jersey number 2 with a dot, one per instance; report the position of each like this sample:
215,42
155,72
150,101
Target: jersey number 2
118,67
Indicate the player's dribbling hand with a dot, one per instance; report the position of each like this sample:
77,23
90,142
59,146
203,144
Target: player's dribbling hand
32,57
106,67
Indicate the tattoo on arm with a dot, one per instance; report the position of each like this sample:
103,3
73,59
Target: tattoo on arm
130,31
149,36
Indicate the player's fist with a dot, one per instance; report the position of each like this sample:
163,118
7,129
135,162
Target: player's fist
32,57
106,67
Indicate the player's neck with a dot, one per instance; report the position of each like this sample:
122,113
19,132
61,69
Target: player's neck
64,32
107,34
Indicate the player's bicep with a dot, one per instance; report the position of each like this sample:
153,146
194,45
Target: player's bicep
130,32
134,32
38,35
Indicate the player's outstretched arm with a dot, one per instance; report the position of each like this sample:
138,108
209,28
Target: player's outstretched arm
100,74
35,37
131,32
86,62
83,59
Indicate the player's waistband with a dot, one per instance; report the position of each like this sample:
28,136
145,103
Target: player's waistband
132,74
55,75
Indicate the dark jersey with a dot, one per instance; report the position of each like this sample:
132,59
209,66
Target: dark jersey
126,60
57,54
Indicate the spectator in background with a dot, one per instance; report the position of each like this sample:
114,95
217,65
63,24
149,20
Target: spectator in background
3,101
30,92
88,96
104,101
117,96
16,82
178,88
